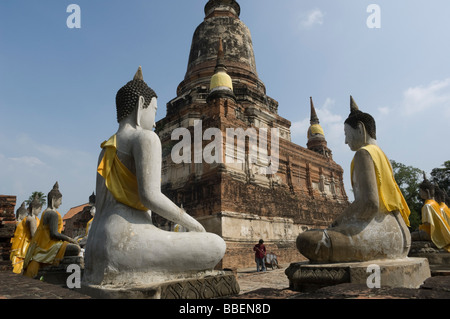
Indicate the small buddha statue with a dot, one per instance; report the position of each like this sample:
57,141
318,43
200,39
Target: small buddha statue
123,245
434,225
445,204
374,226
48,246
24,232
21,212
82,240
441,198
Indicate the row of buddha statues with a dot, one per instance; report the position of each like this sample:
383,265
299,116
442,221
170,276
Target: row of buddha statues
41,242
124,246
435,225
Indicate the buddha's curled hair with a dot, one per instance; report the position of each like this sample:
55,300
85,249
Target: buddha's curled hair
128,96
357,116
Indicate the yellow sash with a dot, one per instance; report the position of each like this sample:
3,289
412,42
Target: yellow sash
20,243
446,212
88,225
118,179
43,249
437,226
388,191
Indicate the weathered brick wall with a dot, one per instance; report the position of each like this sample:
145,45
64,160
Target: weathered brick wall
241,255
76,225
7,227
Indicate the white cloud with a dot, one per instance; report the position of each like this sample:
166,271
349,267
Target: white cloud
312,18
433,96
300,128
384,110
29,165
30,161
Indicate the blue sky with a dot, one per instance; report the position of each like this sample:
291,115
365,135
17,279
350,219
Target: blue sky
58,85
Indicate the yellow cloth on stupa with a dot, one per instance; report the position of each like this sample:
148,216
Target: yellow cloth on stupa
435,224
20,243
315,129
118,179
390,195
43,249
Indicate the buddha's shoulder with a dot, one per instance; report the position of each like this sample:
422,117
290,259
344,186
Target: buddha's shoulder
145,136
362,154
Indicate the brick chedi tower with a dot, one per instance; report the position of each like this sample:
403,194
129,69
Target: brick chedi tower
316,135
228,156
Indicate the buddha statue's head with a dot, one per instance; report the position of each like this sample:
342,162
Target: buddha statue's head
426,189
22,212
360,127
438,194
54,197
136,99
446,198
35,206
92,204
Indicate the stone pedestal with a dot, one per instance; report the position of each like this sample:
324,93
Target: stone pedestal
222,284
58,275
439,259
404,273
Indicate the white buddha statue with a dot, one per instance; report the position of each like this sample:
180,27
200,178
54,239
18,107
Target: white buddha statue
374,226
123,246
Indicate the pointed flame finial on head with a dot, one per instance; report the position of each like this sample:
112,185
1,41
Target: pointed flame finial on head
139,75
353,106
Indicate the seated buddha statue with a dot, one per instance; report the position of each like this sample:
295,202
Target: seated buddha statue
24,232
22,212
442,199
374,226
123,244
82,239
435,226
48,246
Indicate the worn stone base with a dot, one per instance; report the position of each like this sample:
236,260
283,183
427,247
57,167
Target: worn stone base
58,275
209,287
426,249
404,273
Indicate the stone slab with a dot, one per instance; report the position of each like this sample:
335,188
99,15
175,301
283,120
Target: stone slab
210,287
400,273
439,258
58,275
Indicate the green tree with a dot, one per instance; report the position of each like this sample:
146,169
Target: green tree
441,177
408,179
41,196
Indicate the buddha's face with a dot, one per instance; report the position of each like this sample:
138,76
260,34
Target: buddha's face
35,211
57,202
148,115
353,137
424,194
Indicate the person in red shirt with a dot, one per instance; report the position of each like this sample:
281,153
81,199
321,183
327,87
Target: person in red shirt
260,254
